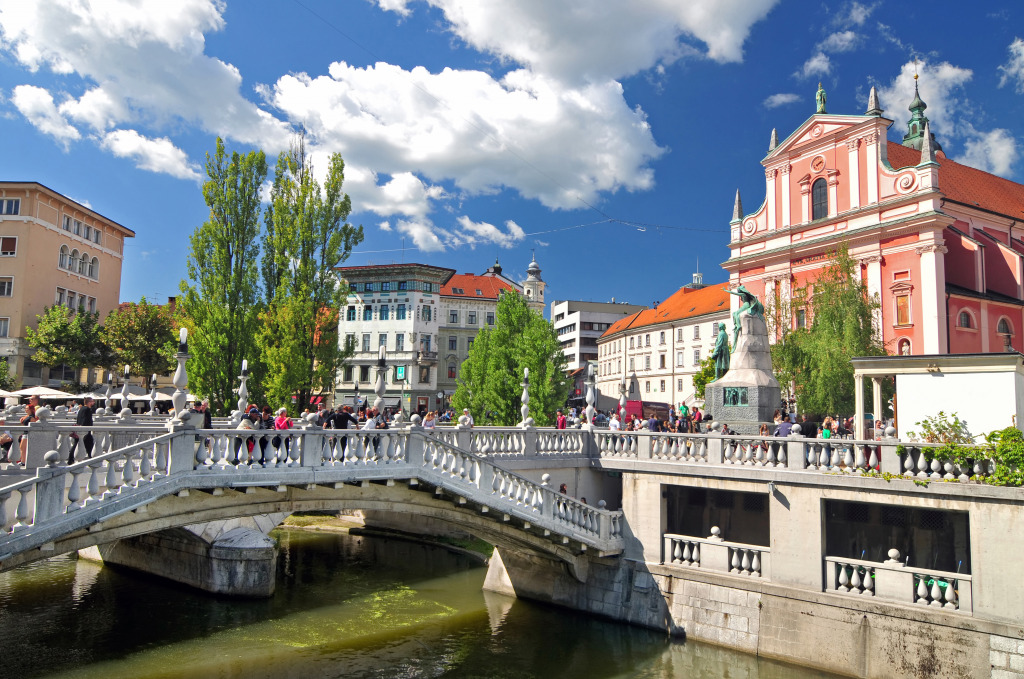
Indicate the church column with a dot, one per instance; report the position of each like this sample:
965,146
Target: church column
872,167
833,192
933,288
805,199
785,171
854,161
874,283
769,176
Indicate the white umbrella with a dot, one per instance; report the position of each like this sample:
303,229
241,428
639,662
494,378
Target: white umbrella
99,396
43,392
7,394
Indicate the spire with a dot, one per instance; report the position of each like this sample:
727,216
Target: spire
874,108
917,123
497,266
927,146
775,140
737,208
533,271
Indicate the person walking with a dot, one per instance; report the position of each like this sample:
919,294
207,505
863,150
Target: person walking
560,420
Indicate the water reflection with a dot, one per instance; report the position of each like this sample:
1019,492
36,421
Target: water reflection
345,607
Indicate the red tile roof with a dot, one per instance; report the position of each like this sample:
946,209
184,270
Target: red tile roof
469,283
685,303
965,184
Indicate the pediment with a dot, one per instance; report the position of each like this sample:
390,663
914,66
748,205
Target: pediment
817,127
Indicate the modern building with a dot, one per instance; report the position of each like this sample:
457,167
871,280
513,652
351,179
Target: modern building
53,250
938,242
654,353
580,324
398,307
469,303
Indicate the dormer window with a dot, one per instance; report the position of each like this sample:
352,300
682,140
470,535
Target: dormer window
819,199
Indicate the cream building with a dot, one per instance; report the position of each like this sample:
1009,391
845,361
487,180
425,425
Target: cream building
52,251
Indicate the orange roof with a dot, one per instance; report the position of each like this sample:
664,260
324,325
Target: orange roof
467,284
965,184
685,303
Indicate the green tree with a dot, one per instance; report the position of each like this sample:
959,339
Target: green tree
704,376
490,377
7,381
220,301
840,326
141,335
308,237
66,337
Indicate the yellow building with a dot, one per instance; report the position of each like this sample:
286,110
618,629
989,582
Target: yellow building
52,251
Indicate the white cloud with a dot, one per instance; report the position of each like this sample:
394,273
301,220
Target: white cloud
481,233
422,232
941,88
855,14
817,65
37,105
155,155
405,194
994,151
596,40
844,41
1013,70
781,99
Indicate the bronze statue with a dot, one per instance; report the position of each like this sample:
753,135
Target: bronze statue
750,304
721,353
820,98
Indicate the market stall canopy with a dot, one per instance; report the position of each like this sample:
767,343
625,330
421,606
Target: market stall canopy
42,392
7,394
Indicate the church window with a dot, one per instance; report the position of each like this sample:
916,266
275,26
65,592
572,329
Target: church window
964,320
1003,327
819,199
801,318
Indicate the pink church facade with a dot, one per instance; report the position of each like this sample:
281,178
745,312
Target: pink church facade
939,242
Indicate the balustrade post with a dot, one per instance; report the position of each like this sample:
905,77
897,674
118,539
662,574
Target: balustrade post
530,437
895,582
643,447
464,437
796,453
181,449
414,444
588,441
714,555
311,446
716,449
49,490
41,439
890,461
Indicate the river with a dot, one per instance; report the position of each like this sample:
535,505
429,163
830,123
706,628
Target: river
345,606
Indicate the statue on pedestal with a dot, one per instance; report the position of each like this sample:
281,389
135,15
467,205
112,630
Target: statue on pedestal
751,304
721,352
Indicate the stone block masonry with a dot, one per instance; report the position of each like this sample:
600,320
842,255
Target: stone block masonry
1006,656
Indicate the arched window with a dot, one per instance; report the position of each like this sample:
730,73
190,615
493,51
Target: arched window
94,268
1003,327
964,320
63,256
73,261
819,199
83,264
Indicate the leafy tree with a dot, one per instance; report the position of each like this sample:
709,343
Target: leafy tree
704,376
490,377
840,326
220,301
7,381
307,238
141,335
66,337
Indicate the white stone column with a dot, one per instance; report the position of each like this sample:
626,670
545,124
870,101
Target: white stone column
852,146
833,192
874,283
769,177
983,326
933,289
858,396
785,171
872,167
876,402
805,200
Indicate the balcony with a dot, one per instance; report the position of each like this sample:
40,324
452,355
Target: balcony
426,357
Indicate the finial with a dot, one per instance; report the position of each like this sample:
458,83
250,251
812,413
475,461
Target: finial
874,107
927,146
737,208
775,140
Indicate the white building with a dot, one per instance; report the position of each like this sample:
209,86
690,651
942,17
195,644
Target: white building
396,306
655,352
533,286
580,324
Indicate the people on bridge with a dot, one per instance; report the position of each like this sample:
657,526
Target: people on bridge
469,417
430,421
614,424
560,420
27,418
83,419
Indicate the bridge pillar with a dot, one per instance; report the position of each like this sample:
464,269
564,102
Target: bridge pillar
41,440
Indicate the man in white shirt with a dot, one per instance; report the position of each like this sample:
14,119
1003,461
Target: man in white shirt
469,418
614,423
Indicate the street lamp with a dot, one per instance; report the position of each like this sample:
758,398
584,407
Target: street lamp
355,398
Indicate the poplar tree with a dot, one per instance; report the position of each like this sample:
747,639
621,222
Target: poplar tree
307,238
220,301
490,378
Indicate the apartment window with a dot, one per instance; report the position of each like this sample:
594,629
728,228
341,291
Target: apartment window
368,287
382,340
403,285
6,286
471,318
679,358
647,340
425,343
60,297
350,314
902,309
663,386
679,384
8,246
819,199
385,286
83,264
479,293
88,232
92,305
714,329
1003,327
426,314
350,342
631,365
490,318
618,365
399,342
453,342
96,236
469,343
451,371
72,298
64,256
400,312
367,313
94,268
630,342
77,227
67,223
801,318
364,373
366,341
647,386
647,362
5,325
347,374
696,332
661,361
696,356
385,312
661,338
73,261
453,317
632,388
10,206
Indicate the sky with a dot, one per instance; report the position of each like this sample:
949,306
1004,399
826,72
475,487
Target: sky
608,136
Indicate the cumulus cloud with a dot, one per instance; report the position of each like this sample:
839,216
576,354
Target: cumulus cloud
855,14
155,155
817,65
423,233
994,151
481,233
597,40
843,41
404,194
941,87
781,99
1013,70
38,107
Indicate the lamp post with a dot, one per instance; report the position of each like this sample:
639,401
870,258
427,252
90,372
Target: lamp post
591,393
622,402
382,368
180,379
110,393
355,398
243,391
525,398
152,395
124,388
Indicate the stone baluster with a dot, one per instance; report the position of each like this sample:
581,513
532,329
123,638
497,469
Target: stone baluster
180,379
109,401
243,389
49,495
125,393
152,395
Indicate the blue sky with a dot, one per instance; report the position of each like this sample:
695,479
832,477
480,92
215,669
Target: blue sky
609,136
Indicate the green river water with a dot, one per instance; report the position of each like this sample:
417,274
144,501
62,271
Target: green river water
346,606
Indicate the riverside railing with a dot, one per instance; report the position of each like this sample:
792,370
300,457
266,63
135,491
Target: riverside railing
893,580
713,553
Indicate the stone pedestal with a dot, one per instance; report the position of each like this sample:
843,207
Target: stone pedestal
748,394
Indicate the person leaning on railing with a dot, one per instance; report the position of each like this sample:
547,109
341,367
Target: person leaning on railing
83,419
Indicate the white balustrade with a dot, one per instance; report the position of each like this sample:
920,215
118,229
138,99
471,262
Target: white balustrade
894,581
714,553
